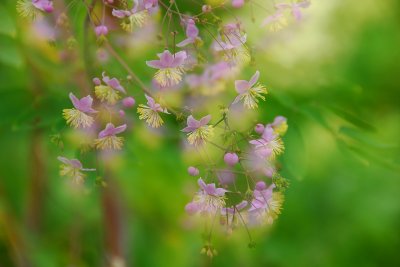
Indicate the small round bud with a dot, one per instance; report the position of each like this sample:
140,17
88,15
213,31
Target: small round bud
101,30
259,128
96,81
261,185
237,3
231,159
193,171
206,8
191,208
128,102
121,113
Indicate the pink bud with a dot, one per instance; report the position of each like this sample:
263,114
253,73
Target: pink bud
101,30
259,128
96,81
231,159
206,8
121,113
193,171
261,185
191,208
128,102
237,3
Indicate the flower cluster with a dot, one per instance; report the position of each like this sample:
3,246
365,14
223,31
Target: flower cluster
251,189
242,186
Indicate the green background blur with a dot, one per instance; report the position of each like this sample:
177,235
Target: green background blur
335,77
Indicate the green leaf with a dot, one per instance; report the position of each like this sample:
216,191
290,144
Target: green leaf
10,54
7,23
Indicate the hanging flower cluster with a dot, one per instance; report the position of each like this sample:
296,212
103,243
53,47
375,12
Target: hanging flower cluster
202,59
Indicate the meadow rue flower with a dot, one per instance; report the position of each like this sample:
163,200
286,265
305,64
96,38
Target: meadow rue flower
138,15
208,200
128,102
107,138
237,3
231,159
31,8
212,80
225,177
275,22
266,204
279,125
192,34
79,117
150,113
269,145
193,171
250,91
170,68
231,44
110,91
73,168
295,8
198,131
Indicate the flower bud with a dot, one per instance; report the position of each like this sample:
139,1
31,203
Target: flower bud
237,3
191,208
231,159
128,102
261,185
206,8
121,113
259,128
96,81
193,171
101,30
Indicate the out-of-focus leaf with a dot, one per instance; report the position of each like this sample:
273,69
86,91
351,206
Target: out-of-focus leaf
294,158
7,23
316,115
365,139
9,53
352,119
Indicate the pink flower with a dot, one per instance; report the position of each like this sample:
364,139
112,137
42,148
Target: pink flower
193,124
150,113
208,200
193,171
101,30
212,78
269,145
261,196
226,176
250,91
198,130
113,83
237,3
168,60
170,68
80,115
84,104
192,34
295,7
44,5
111,130
108,139
231,159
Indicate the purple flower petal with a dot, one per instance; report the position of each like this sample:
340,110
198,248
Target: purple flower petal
242,86
254,79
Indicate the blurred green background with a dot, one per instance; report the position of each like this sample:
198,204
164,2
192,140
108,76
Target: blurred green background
335,77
